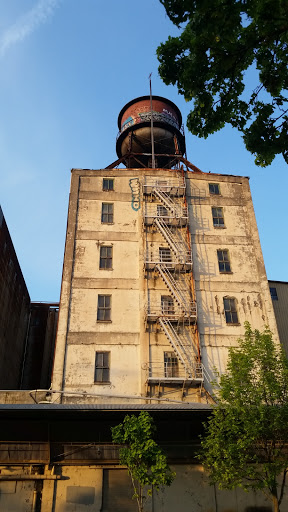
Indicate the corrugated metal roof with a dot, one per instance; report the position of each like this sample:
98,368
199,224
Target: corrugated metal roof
106,407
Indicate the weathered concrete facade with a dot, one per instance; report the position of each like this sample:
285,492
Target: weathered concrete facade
133,341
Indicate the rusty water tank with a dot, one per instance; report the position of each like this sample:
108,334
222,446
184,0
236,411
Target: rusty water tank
134,122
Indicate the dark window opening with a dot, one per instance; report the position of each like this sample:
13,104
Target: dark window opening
162,211
102,366
170,365
273,293
105,257
107,213
104,308
218,217
167,305
165,255
231,314
108,184
223,260
214,189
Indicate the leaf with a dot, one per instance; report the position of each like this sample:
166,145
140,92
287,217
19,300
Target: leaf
218,42
145,461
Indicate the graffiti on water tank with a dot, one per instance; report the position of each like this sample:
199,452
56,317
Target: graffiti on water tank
134,184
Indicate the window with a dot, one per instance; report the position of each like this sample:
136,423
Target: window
165,255
230,310
214,189
107,213
162,211
108,184
218,217
102,367
223,260
273,293
167,305
170,364
104,308
105,257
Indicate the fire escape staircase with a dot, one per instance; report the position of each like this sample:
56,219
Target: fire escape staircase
181,295
178,288
176,209
178,246
190,367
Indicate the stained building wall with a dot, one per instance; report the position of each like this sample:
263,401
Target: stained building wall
14,312
95,489
39,354
125,337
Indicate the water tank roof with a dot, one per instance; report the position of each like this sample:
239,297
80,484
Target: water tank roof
141,98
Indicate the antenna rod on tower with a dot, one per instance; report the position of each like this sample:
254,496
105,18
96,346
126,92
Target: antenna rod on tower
152,132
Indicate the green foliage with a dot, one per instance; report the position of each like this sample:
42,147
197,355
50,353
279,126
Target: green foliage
219,42
145,461
246,442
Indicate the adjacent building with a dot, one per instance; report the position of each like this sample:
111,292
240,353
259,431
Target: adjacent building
14,312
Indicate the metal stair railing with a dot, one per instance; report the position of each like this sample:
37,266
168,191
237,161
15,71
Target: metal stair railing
176,209
172,186
182,296
177,345
178,247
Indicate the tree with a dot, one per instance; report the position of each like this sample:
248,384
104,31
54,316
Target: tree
145,461
246,441
220,41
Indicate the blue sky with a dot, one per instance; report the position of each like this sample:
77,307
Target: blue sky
67,69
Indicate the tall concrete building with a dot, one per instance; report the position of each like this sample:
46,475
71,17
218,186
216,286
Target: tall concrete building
162,267
14,312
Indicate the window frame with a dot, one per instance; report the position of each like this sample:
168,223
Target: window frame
212,191
167,305
231,313
104,308
165,255
105,258
162,211
223,261
173,370
274,296
108,189
102,368
216,217
108,221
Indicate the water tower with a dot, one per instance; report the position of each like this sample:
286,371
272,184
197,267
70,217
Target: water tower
138,133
